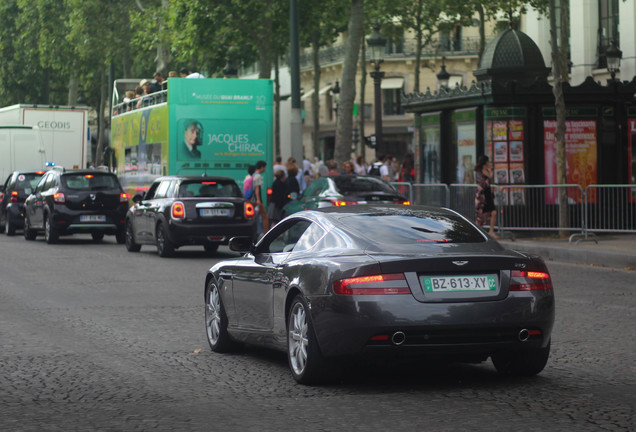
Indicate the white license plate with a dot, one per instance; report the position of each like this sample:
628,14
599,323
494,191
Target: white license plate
92,218
459,283
214,212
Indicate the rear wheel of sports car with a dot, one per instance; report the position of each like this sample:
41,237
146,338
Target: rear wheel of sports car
97,236
165,248
29,234
306,362
51,234
9,228
131,246
216,320
521,363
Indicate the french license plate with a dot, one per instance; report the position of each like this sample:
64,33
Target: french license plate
459,283
214,212
92,218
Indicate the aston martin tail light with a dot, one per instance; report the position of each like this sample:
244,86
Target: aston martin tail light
529,281
386,284
403,202
178,210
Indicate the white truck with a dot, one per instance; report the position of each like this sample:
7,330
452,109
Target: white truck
64,131
21,149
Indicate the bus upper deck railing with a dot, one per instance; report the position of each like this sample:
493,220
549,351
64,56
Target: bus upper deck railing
595,209
146,100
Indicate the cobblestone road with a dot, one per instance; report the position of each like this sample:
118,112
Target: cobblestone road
95,338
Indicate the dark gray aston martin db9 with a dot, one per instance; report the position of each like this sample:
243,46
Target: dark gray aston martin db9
329,285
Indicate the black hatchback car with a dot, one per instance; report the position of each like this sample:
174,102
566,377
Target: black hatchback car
186,210
77,201
16,188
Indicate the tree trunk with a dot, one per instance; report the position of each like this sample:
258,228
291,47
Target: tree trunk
418,47
361,111
348,88
73,93
559,73
315,99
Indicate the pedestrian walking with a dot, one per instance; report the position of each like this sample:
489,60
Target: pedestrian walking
485,210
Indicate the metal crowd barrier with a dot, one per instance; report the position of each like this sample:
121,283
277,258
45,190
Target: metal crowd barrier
598,208
610,208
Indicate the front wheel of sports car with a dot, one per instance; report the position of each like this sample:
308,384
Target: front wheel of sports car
216,320
521,363
306,362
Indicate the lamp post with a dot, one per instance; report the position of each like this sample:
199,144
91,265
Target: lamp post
335,91
377,46
442,76
613,56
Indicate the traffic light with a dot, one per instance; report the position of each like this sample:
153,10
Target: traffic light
355,139
370,141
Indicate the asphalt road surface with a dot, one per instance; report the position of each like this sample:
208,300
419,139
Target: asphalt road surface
93,337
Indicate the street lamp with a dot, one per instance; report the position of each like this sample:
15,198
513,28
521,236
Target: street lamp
442,76
613,56
377,46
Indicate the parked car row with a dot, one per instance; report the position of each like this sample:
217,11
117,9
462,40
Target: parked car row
176,211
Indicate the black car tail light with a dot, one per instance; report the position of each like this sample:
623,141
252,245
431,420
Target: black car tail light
340,203
529,281
59,198
14,196
124,197
387,284
249,210
178,210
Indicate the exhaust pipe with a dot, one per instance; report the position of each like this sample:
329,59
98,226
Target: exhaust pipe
398,338
523,335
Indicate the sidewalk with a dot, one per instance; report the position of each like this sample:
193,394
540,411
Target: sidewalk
612,250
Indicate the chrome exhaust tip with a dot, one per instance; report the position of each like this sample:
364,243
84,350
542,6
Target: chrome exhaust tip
524,335
398,338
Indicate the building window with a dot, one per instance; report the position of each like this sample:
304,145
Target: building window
607,28
451,40
391,99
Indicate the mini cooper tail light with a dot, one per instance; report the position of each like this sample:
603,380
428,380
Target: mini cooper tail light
522,280
14,196
249,210
178,210
340,203
387,284
59,198
124,197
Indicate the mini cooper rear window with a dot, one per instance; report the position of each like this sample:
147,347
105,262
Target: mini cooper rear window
209,189
84,181
413,228
355,184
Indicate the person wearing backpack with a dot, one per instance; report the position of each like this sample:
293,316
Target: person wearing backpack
248,183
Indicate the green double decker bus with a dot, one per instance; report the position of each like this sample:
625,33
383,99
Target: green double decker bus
203,126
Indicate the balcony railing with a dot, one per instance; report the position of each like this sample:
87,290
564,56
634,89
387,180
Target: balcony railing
437,48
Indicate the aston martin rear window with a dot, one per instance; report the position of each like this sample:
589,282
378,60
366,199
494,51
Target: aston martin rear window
409,228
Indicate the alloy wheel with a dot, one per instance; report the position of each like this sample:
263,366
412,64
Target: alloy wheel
298,339
213,315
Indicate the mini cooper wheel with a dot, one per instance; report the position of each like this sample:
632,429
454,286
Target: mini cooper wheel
165,247
521,363
29,234
120,236
216,320
131,246
51,235
306,362
9,227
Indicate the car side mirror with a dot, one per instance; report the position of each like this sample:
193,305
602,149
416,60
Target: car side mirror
137,198
241,244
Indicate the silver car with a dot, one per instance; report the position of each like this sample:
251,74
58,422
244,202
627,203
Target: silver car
332,285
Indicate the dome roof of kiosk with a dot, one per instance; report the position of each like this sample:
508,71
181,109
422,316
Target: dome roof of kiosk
511,56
